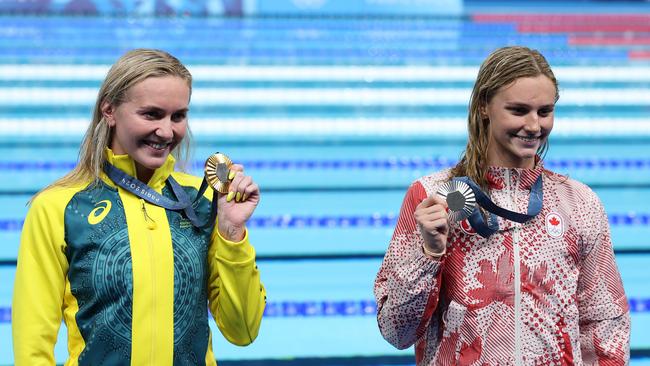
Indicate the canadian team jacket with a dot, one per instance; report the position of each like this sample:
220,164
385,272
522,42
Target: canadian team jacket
546,292
132,281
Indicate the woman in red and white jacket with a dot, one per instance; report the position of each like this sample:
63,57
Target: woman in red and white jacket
545,292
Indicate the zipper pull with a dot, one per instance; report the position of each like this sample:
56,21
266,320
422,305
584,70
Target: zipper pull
151,224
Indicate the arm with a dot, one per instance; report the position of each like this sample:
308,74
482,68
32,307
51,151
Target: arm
236,296
39,285
602,305
408,283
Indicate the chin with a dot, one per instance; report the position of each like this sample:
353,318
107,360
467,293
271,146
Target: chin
152,163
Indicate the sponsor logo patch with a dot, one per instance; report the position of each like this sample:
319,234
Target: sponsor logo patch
102,208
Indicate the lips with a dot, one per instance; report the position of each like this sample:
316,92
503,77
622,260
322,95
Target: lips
528,138
157,145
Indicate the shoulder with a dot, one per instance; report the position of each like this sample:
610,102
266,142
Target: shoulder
572,190
426,186
431,182
55,198
47,210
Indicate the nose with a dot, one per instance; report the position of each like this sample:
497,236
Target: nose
164,130
532,125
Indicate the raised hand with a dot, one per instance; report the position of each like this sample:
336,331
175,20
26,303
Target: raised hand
431,216
237,206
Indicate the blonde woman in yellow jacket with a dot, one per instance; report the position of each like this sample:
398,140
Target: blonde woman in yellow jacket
130,276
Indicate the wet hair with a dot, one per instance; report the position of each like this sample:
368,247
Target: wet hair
132,68
500,69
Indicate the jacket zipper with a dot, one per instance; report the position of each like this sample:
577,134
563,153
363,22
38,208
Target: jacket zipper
517,269
151,225
517,283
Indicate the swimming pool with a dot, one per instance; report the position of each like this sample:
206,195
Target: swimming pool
334,117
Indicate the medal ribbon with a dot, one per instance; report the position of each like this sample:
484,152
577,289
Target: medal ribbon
486,229
183,203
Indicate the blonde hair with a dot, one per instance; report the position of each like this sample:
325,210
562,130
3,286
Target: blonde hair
501,68
130,69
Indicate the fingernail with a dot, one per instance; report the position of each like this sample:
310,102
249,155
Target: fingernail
238,197
232,174
244,197
230,196
447,209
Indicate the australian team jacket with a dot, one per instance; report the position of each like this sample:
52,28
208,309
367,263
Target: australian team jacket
132,281
547,292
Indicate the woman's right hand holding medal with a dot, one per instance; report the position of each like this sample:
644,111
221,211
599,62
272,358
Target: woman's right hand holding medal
237,206
431,217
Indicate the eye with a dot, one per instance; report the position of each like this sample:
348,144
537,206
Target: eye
179,117
150,115
544,112
519,111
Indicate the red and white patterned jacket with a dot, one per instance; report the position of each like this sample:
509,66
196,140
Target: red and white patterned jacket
546,292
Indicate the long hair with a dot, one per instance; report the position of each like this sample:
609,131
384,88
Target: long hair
501,68
132,68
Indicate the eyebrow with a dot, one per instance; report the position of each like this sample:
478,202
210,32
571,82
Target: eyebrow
158,109
520,104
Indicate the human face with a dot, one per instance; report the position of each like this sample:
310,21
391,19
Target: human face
150,123
521,118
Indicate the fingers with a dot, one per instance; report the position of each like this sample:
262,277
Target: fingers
432,200
252,190
433,222
427,215
430,205
431,215
241,186
236,168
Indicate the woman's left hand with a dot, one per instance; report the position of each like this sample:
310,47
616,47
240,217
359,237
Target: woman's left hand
237,206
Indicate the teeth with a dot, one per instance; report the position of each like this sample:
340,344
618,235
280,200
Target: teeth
157,146
529,139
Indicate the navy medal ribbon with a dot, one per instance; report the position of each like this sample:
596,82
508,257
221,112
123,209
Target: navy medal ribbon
485,229
183,202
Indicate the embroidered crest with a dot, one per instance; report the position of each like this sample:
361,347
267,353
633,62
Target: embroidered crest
554,225
467,228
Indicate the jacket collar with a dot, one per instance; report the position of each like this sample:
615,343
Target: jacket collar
126,164
497,176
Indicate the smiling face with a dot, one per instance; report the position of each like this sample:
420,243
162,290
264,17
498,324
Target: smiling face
520,119
150,123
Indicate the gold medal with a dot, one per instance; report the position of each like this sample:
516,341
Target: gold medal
460,199
217,169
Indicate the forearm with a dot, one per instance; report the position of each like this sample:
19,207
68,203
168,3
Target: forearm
237,296
407,291
39,286
606,341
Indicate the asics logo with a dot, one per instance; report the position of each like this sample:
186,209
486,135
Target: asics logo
102,208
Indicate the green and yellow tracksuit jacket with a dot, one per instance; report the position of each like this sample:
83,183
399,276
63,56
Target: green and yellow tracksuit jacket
132,281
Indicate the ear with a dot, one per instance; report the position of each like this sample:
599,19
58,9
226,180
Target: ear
483,111
108,113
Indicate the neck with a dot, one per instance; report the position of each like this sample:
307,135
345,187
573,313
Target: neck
143,174
501,161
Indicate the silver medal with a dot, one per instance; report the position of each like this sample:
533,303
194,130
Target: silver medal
460,199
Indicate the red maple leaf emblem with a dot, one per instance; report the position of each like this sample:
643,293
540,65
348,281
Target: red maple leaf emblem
536,285
496,281
554,221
